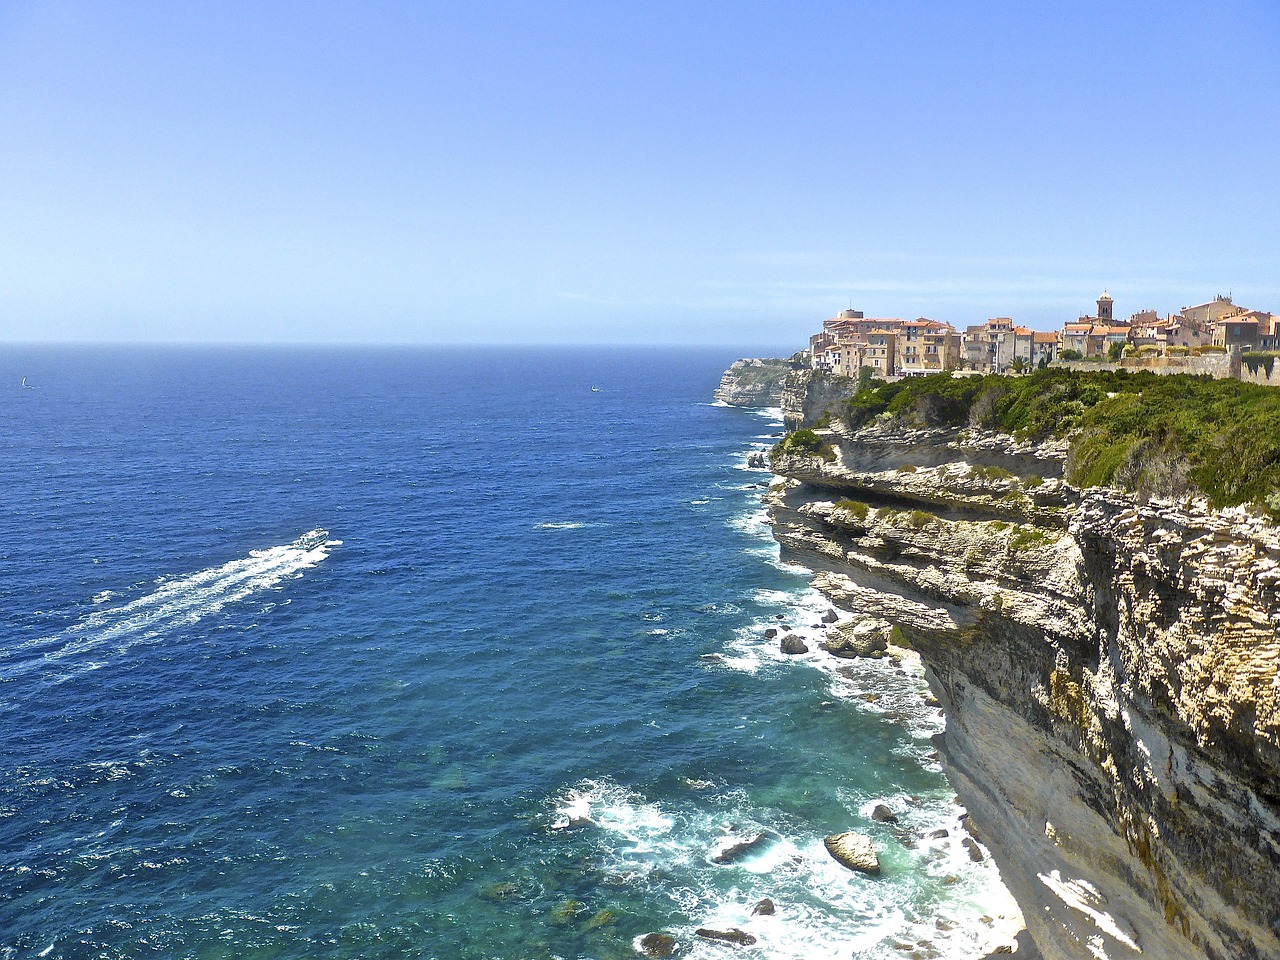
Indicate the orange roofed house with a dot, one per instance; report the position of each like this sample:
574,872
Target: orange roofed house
926,346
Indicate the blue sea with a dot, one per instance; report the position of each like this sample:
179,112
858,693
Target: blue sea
433,654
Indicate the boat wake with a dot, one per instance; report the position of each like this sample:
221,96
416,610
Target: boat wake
110,631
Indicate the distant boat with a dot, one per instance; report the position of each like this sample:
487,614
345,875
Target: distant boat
27,386
595,389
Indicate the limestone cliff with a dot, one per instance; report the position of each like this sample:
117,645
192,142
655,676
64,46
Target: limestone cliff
753,383
808,395
1108,669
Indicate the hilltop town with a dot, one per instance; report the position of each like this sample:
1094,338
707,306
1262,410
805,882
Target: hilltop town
1197,339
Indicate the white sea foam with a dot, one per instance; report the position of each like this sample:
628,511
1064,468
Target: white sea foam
559,525
823,911
176,602
754,522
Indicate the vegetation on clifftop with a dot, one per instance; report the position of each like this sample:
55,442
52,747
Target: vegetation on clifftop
804,443
1157,436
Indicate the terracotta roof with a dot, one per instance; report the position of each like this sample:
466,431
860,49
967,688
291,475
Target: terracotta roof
1043,336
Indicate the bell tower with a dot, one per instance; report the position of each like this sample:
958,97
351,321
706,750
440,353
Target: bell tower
1104,307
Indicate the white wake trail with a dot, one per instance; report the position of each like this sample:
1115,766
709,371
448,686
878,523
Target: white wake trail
175,603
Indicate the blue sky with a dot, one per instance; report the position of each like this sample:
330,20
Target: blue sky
626,172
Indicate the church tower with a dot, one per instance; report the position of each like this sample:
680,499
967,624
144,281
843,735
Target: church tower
1104,307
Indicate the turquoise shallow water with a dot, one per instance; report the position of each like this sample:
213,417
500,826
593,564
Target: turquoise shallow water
320,653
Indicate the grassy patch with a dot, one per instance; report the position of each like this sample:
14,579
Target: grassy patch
1142,431
989,473
920,518
1024,538
855,508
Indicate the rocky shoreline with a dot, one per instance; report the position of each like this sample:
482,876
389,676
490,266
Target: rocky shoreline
1108,670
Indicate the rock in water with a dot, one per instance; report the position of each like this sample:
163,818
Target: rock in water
854,851
830,617
792,644
740,848
658,946
770,633
882,814
861,639
732,935
764,908
975,852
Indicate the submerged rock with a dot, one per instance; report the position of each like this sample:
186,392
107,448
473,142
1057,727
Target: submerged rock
764,908
566,913
658,946
770,633
853,850
601,918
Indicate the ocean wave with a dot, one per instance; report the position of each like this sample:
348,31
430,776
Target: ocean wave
822,910
754,523
561,525
176,602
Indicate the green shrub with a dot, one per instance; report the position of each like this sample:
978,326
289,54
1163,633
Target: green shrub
1024,538
1227,432
1070,355
855,508
908,468
1033,480
920,518
804,443
989,473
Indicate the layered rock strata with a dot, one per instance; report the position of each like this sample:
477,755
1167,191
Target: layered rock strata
753,383
1108,670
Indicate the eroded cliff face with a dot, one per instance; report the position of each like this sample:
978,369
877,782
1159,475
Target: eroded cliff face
753,383
1108,670
806,395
